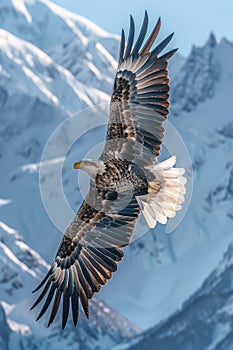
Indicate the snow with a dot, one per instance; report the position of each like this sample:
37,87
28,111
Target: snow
7,228
74,37
10,256
4,202
44,16
19,328
19,5
61,88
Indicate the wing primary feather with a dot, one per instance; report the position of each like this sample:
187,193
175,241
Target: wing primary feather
41,296
66,307
141,36
75,306
70,282
161,46
47,302
55,306
84,302
97,275
80,290
64,283
169,54
117,251
96,265
82,279
100,260
122,47
151,39
110,264
130,37
87,275
50,272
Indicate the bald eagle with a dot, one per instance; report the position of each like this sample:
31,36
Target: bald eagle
124,182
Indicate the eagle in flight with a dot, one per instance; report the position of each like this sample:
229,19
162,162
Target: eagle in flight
124,182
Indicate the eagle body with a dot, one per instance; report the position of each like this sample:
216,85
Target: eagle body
121,175
125,181
120,182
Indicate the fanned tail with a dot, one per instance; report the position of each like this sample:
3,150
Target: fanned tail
165,192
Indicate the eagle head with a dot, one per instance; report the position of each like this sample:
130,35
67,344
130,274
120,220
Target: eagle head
92,167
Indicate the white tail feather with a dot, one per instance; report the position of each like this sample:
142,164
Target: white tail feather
166,193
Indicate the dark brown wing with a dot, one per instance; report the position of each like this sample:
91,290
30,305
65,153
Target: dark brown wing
87,256
139,103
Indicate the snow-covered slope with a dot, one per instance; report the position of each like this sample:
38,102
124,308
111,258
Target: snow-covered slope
77,43
90,63
26,69
20,265
197,78
205,320
105,329
48,25
36,95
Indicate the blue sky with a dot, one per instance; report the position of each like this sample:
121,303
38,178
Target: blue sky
191,20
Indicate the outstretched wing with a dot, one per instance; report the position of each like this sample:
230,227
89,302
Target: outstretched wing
139,103
87,256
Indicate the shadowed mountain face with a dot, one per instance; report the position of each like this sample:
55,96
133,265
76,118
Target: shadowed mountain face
5,330
204,321
47,76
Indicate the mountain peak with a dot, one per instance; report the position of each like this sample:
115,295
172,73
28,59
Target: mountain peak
212,41
197,78
35,20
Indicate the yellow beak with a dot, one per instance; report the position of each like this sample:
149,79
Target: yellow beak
77,165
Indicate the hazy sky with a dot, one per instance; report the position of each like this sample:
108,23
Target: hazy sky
191,20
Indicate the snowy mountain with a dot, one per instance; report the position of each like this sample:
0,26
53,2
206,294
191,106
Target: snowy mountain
27,69
105,329
35,20
197,78
45,77
77,44
204,321
20,265
90,63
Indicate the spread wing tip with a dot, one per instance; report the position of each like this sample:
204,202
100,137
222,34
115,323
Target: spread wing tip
127,50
